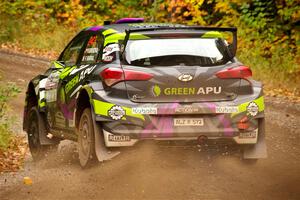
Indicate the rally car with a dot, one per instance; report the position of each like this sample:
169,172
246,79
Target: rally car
120,83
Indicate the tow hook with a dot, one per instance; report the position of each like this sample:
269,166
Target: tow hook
202,139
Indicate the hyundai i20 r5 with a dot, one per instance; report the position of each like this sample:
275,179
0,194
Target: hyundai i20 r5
117,84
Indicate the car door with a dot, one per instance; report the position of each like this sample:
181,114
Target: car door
74,76
60,112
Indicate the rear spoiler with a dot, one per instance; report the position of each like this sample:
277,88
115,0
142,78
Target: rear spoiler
233,30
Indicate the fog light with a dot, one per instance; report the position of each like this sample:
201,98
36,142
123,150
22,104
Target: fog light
243,126
243,123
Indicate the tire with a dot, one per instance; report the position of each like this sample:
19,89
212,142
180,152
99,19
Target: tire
86,139
36,127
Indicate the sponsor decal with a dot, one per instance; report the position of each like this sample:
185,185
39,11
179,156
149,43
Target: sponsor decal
107,52
187,109
185,77
51,95
107,58
111,48
118,138
252,109
252,134
137,97
186,90
144,110
86,72
88,58
75,70
91,50
71,84
209,90
227,109
179,91
116,112
156,90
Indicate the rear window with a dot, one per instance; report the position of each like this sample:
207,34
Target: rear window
179,51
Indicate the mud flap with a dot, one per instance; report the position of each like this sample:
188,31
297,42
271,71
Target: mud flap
101,151
44,140
259,150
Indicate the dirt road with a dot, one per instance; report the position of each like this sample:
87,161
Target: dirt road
155,171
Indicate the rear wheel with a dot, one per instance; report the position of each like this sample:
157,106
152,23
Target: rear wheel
36,127
86,139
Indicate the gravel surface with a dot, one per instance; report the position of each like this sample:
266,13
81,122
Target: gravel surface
153,170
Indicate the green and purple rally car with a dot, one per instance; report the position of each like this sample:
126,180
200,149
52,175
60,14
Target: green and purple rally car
120,83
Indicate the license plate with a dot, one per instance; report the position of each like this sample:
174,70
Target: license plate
188,122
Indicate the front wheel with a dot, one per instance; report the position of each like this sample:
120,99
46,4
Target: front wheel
37,127
86,139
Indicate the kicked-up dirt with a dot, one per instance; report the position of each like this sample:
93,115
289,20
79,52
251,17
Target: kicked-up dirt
153,170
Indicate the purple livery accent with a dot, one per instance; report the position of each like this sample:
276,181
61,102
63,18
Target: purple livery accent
211,106
168,109
159,126
228,130
95,28
67,109
129,20
163,125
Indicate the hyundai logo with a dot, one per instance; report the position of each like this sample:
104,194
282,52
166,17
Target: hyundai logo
185,77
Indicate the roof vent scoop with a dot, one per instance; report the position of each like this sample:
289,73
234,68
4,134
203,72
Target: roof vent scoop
106,22
129,20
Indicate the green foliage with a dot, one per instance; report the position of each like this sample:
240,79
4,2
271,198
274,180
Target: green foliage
35,34
7,92
269,35
5,137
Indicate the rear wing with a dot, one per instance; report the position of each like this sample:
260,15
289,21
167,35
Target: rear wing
233,30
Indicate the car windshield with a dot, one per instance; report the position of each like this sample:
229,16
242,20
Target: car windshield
179,51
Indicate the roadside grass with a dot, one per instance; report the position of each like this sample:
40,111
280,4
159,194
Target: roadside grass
5,137
279,71
7,91
38,36
12,146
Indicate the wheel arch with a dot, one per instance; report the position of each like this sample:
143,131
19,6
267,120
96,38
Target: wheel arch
31,100
83,100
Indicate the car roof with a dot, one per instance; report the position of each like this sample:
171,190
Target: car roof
120,28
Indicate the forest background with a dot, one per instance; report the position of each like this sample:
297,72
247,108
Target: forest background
268,31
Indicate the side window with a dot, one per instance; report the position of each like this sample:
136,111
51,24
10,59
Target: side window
72,52
92,50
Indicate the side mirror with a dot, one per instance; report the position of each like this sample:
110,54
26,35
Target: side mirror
57,64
